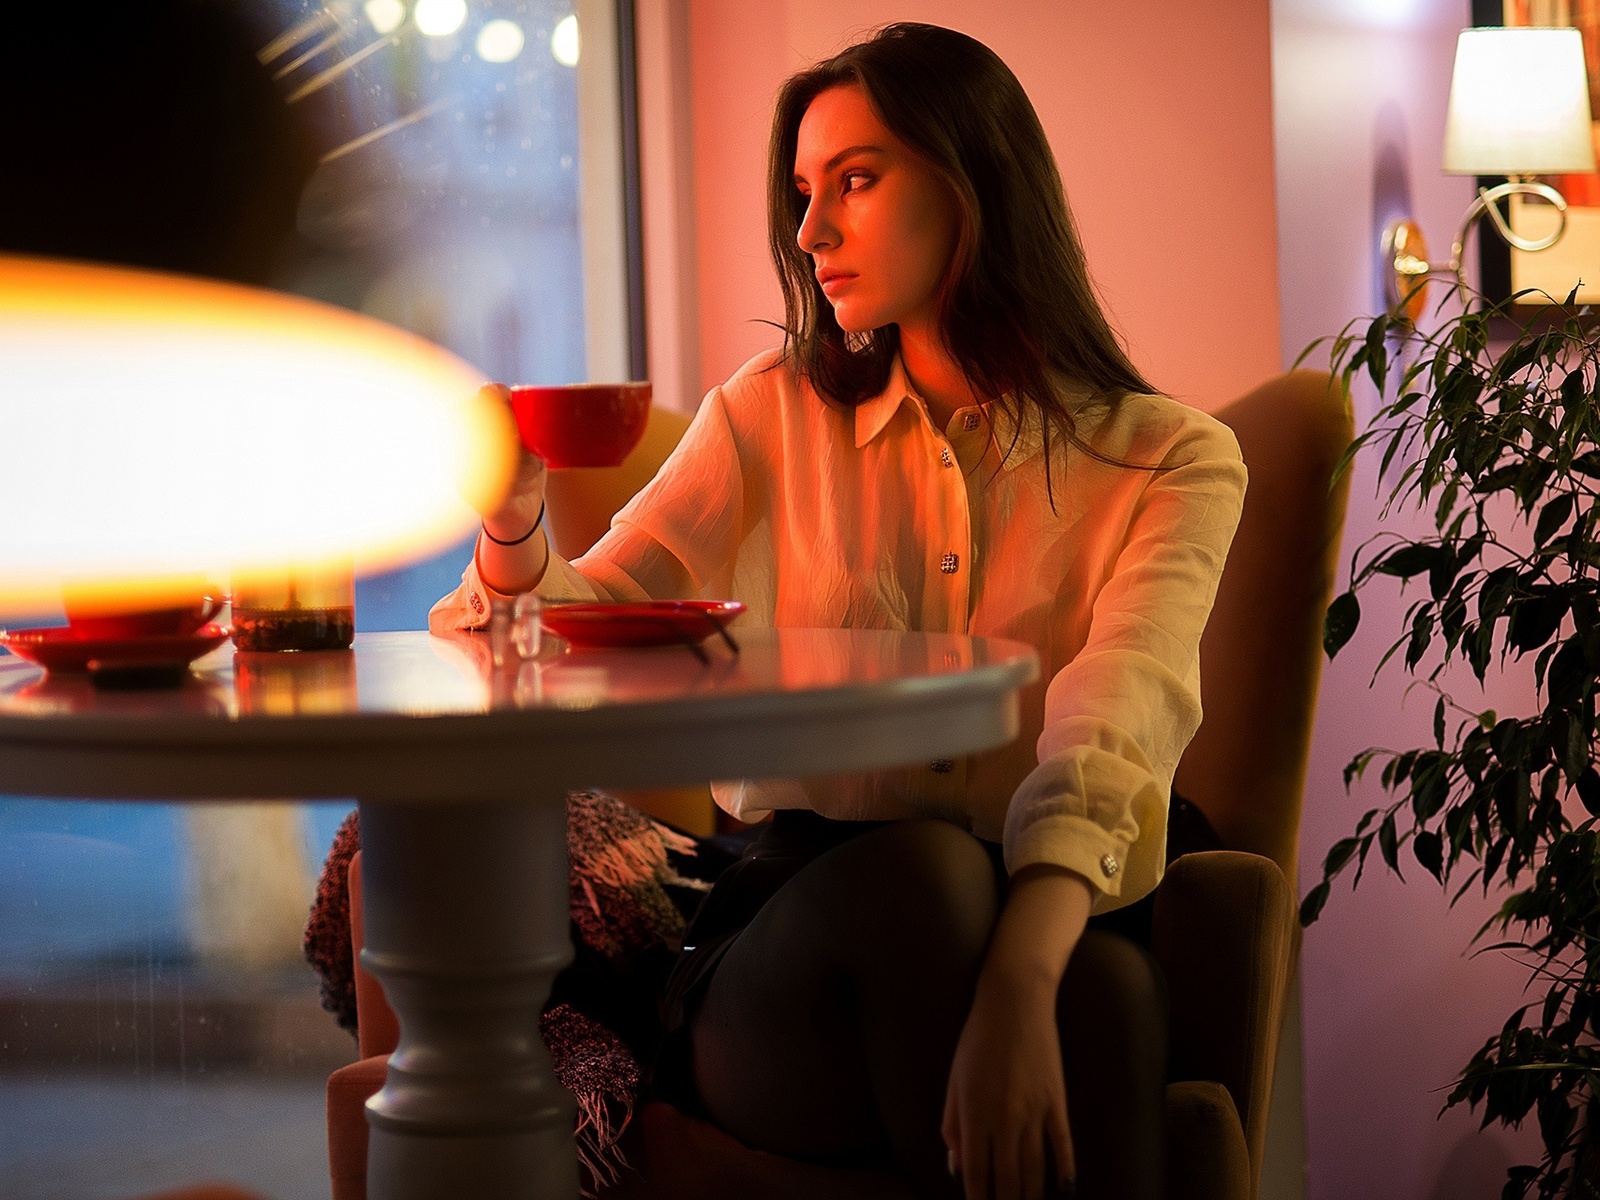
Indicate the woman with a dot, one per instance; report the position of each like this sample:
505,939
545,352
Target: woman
951,438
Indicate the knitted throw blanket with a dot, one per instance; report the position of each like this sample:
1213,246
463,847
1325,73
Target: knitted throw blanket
633,883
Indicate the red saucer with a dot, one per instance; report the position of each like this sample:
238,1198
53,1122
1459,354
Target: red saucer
63,650
650,623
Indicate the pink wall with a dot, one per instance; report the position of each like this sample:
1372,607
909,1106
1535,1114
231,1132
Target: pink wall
1162,126
1392,1008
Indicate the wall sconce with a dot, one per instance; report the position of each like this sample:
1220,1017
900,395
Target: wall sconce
1519,107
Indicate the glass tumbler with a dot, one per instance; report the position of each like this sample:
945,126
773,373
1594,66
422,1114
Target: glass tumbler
515,634
298,607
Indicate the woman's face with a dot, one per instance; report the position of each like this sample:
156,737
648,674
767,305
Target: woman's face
880,225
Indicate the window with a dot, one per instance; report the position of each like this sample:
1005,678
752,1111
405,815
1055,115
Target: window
456,167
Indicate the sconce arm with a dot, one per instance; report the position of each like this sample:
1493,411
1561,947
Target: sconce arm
1404,251
1488,202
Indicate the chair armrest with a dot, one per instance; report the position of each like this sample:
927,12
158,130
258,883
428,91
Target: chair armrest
1223,933
348,1089
1206,1155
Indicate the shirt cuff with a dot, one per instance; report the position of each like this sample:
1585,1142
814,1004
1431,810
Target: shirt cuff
1076,843
469,606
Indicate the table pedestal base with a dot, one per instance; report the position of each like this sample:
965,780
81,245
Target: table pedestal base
465,909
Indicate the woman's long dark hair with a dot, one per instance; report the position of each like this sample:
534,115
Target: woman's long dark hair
1017,310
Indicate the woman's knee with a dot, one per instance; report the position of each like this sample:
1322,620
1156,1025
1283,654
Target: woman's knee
925,873
1112,978
1112,1011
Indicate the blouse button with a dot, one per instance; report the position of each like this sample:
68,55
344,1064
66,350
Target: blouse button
942,765
944,457
949,563
1110,866
477,603
970,422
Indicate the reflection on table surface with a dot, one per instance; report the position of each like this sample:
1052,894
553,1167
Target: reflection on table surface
417,674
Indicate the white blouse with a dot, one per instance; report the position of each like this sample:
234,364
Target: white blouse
817,515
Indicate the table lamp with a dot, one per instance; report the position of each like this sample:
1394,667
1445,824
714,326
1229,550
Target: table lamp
160,427
1519,107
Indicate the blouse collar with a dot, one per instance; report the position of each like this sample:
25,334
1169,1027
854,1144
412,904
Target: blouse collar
873,415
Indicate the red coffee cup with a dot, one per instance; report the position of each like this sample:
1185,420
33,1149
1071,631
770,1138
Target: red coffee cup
103,614
582,424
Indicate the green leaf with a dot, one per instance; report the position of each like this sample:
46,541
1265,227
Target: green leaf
1520,357
1589,791
1408,560
1421,637
1588,464
1576,754
1438,722
1535,620
1443,572
1343,850
1567,674
1356,768
1480,648
1311,906
1344,614
1551,518
1377,353
1572,391
1430,786
1389,844
1494,594
1428,848
1491,860
1501,478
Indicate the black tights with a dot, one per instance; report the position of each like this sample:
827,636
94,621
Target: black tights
828,1029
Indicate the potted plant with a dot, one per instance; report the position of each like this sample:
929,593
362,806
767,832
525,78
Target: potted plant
1499,444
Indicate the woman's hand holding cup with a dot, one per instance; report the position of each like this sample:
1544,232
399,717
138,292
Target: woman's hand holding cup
518,511
511,557
561,426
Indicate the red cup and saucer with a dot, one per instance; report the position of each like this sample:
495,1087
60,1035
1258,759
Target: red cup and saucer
128,647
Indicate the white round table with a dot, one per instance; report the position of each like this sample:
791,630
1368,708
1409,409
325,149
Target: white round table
461,771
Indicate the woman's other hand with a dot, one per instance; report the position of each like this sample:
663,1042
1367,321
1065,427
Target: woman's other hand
1005,1111
515,514
1006,1104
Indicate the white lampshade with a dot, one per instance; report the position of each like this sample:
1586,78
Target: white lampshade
1519,104
156,425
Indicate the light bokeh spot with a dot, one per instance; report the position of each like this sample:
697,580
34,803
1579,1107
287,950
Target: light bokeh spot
158,425
500,41
564,40
385,15
441,18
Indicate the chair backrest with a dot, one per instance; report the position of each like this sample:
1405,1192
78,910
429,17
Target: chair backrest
582,501
1261,655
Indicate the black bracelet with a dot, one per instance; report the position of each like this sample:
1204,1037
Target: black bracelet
537,521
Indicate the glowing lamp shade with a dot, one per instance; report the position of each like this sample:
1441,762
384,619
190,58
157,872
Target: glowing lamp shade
1519,104
158,426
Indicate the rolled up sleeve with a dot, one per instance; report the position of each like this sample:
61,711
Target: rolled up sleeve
1119,715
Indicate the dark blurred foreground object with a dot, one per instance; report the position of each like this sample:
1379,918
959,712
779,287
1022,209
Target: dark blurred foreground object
147,134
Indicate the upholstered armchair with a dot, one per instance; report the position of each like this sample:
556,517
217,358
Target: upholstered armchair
1225,931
